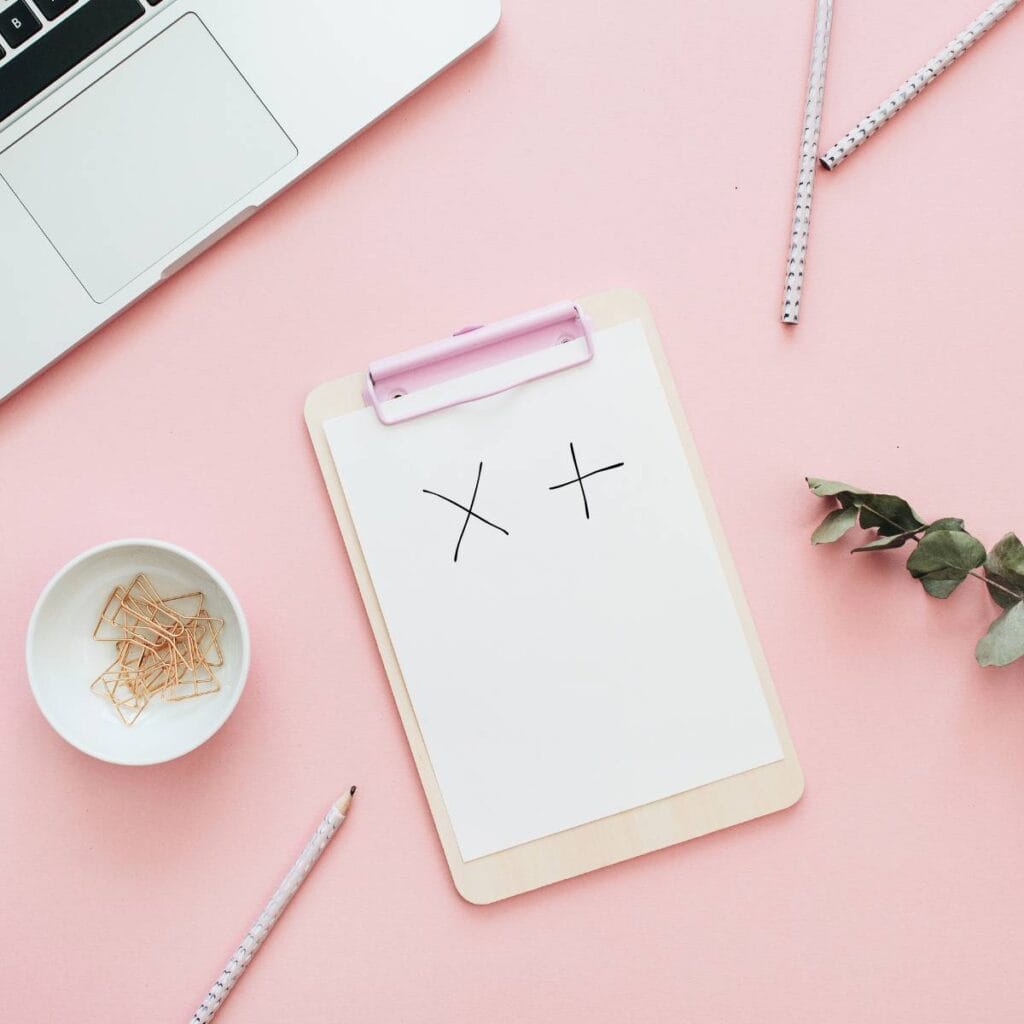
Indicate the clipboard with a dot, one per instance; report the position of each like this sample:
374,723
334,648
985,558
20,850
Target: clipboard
630,833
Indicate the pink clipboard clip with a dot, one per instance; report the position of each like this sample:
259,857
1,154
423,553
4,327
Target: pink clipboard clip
471,348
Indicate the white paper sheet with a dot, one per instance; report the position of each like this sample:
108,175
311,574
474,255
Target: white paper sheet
572,667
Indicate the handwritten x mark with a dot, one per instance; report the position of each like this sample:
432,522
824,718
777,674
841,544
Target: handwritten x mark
470,514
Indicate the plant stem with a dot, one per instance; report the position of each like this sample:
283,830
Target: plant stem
998,586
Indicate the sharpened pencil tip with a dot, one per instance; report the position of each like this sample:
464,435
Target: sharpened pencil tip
344,801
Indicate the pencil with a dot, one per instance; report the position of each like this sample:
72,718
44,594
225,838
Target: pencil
916,84
808,162
272,911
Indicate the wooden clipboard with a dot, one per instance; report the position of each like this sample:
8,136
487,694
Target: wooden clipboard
629,833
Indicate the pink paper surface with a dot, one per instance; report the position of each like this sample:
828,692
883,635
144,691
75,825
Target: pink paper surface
652,145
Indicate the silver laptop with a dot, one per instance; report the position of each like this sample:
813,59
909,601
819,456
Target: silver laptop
134,133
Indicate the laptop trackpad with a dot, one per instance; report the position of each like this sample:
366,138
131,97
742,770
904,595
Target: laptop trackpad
145,157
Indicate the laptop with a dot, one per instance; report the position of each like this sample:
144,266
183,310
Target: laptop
135,133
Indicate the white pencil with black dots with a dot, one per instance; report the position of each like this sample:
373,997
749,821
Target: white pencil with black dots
808,162
916,84
273,910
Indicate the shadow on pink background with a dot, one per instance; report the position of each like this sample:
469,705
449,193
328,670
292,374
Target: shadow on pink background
652,145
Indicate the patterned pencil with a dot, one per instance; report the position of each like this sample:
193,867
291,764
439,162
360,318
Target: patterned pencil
272,911
916,84
808,162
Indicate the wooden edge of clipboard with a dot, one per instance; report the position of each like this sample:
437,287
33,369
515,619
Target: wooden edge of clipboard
622,836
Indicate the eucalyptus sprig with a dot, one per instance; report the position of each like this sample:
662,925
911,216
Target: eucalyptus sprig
944,555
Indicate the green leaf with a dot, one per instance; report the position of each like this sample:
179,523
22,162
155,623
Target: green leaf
1005,565
834,525
956,525
887,514
844,493
886,543
942,582
1004,641
945,549
830,488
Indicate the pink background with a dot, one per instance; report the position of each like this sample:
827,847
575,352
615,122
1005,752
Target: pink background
650,144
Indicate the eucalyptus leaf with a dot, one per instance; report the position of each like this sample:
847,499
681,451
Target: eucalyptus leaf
956,525
942,582
834,525
846,495
886,543
945,549
1004,641
1005,566
830,488
888,514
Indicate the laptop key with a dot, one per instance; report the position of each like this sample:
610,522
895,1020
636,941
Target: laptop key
67,44
54,8
18,24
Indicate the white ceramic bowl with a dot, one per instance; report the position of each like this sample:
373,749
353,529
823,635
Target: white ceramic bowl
63,658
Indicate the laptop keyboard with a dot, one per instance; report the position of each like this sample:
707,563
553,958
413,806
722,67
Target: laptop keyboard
42,40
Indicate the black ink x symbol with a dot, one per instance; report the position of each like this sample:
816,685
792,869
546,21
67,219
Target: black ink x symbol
579,479
470,514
